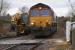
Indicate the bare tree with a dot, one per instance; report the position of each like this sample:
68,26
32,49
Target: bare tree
24,9
3,7
71,12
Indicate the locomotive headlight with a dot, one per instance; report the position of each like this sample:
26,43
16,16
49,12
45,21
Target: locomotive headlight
40,7
32,23
47,22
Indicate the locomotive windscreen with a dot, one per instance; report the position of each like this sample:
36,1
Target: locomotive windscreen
43,12
34,12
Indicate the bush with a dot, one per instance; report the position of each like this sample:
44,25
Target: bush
4,21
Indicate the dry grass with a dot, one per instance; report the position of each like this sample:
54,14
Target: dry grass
3,31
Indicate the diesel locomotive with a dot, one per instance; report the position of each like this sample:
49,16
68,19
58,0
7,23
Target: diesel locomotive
42,20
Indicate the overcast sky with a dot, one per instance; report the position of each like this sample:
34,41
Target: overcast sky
60,7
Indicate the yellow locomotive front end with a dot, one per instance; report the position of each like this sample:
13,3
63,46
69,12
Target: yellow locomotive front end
41,19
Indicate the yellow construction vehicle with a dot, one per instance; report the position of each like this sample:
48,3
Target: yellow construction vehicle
17,24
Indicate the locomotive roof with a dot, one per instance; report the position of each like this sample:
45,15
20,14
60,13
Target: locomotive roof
43,6
40,5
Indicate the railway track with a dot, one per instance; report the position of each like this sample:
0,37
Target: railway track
28,46
44,44
25,46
